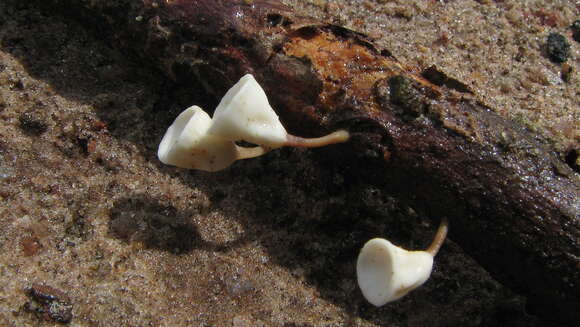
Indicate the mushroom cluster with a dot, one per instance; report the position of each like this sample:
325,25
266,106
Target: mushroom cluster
385,272
196,141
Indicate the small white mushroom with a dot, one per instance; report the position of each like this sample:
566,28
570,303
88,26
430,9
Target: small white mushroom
385,272
187,144
244,113
195,140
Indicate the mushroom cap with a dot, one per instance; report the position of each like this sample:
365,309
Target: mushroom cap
244,113
385,272
186,143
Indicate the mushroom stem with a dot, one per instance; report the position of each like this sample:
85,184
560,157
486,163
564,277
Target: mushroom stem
247,153
332,138
439,237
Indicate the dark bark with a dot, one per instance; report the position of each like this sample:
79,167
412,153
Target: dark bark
512,201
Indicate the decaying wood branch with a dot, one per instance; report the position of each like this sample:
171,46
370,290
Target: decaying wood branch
512,202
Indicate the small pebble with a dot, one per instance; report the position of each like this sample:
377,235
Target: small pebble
566,72
31,124
49,303
30,246
558,48
576,30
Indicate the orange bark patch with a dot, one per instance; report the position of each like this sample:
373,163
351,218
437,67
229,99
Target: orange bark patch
345,65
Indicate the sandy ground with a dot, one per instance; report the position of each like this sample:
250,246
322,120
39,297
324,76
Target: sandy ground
498,48
122,240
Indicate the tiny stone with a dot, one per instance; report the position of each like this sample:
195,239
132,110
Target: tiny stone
30,246
558,48
32,124
576,30
16,84
566,72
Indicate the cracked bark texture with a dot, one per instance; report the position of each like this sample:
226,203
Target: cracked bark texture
511,200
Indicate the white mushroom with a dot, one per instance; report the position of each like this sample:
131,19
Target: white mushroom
244,113
385,272
187,144
195,140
